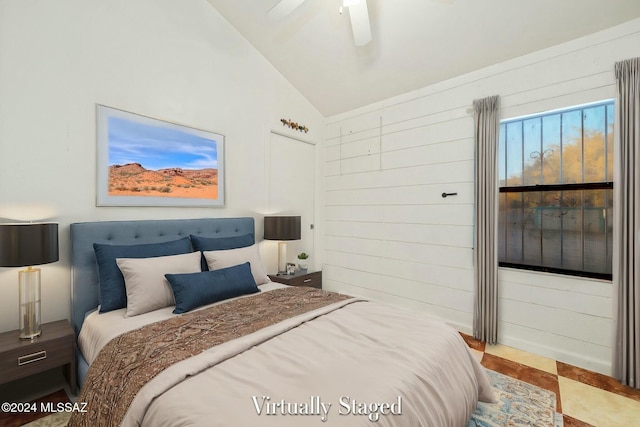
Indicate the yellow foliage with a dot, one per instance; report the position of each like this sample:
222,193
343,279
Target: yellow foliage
556,166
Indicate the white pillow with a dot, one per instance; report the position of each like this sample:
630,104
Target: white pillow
230,257
147,288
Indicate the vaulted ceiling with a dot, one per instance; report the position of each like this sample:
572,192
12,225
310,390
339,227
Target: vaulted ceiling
415,42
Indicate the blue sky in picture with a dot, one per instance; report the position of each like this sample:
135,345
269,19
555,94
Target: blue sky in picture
159,146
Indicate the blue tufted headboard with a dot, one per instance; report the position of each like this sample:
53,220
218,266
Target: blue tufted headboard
84,275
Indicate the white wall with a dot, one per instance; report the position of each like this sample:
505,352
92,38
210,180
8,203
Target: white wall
389,234
174,60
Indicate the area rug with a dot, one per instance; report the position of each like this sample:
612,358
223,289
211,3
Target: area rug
519,404
60,419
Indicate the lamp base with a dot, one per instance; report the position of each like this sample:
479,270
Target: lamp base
282,257
31,336
29,282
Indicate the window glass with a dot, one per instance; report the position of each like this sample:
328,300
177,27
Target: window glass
551,229
502,158
556,191
594,144
532,145
551,148
513,136
609,139
571,151
513,227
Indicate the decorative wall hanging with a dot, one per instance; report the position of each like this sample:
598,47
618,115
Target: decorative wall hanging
294,125
149,162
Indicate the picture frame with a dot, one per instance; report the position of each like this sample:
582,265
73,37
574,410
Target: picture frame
144,161
291,268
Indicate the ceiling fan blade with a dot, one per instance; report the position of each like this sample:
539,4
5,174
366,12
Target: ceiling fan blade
360,25
283,8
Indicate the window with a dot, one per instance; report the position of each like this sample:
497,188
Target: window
556,191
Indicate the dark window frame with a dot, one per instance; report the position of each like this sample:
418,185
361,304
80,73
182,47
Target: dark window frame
604,185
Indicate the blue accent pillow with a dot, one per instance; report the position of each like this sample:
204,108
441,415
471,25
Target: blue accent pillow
203,243
192,290
112,294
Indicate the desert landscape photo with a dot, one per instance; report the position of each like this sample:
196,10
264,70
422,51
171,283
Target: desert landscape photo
133,179
149,159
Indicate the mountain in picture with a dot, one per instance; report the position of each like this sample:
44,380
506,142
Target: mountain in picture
132,179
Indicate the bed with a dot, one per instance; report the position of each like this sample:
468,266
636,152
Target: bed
256,352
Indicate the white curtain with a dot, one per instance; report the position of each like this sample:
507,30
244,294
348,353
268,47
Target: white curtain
486,114
626,255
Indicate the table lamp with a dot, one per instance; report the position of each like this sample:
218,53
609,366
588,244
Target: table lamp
26,245
282,228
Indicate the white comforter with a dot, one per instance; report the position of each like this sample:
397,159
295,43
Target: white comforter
356,364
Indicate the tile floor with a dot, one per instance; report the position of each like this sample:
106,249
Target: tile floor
585,398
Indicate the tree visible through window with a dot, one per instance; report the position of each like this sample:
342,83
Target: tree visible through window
556,191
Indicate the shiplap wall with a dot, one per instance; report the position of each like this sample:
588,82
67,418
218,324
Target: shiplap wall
390,236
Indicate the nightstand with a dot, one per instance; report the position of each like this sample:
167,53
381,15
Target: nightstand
312,279
54,348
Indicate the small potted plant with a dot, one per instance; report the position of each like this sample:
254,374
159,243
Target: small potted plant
303,263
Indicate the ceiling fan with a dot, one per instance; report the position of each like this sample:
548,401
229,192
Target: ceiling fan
358,12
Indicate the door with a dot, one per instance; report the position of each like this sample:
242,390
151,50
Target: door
291,172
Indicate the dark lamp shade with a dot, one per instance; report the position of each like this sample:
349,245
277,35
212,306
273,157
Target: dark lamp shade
24,245
282,228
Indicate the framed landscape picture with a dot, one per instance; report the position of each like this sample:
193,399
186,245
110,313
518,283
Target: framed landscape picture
150,162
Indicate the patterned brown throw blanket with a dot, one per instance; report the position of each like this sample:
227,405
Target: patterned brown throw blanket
129,361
